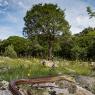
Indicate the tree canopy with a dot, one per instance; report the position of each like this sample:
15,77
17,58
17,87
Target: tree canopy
47,20
19,43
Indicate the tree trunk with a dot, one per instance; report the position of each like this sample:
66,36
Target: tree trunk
50,50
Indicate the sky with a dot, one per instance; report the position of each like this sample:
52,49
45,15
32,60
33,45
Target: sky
13,11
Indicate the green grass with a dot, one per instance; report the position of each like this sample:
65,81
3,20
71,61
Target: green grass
11,69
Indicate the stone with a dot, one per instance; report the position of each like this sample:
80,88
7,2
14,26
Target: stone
82,91
4,88
48,63
4,85
86,82
92,65
72,88
5,92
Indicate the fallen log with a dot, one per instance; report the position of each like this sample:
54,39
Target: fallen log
15,91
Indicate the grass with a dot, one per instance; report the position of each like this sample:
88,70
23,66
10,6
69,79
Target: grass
74,67
11,69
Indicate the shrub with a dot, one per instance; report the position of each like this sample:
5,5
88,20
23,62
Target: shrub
10,52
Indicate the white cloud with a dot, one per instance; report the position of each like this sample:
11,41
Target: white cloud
21,4
6,31
6,2
3,3
2,12
83,22
3,6
76,29
78,17
81,19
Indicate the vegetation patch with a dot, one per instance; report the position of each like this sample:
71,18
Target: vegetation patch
11,69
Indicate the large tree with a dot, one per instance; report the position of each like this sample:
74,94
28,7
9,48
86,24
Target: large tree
46,20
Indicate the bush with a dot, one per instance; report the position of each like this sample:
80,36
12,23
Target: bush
10,52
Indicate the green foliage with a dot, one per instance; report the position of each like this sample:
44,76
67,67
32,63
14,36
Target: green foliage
79,46
0,47
47,21
20,44
10,52
84,42
90,12
22,68
78,53
91,51
67,44
47,18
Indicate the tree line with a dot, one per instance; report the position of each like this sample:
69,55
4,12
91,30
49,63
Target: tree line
47,34
80,46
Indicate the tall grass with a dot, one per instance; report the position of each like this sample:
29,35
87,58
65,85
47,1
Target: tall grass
11,69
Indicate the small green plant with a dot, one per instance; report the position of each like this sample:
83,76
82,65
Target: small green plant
10,52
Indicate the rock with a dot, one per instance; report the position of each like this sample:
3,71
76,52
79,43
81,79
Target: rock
82,91
92,65
4,88
5,92
87,83
72,88
48,63
4,85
